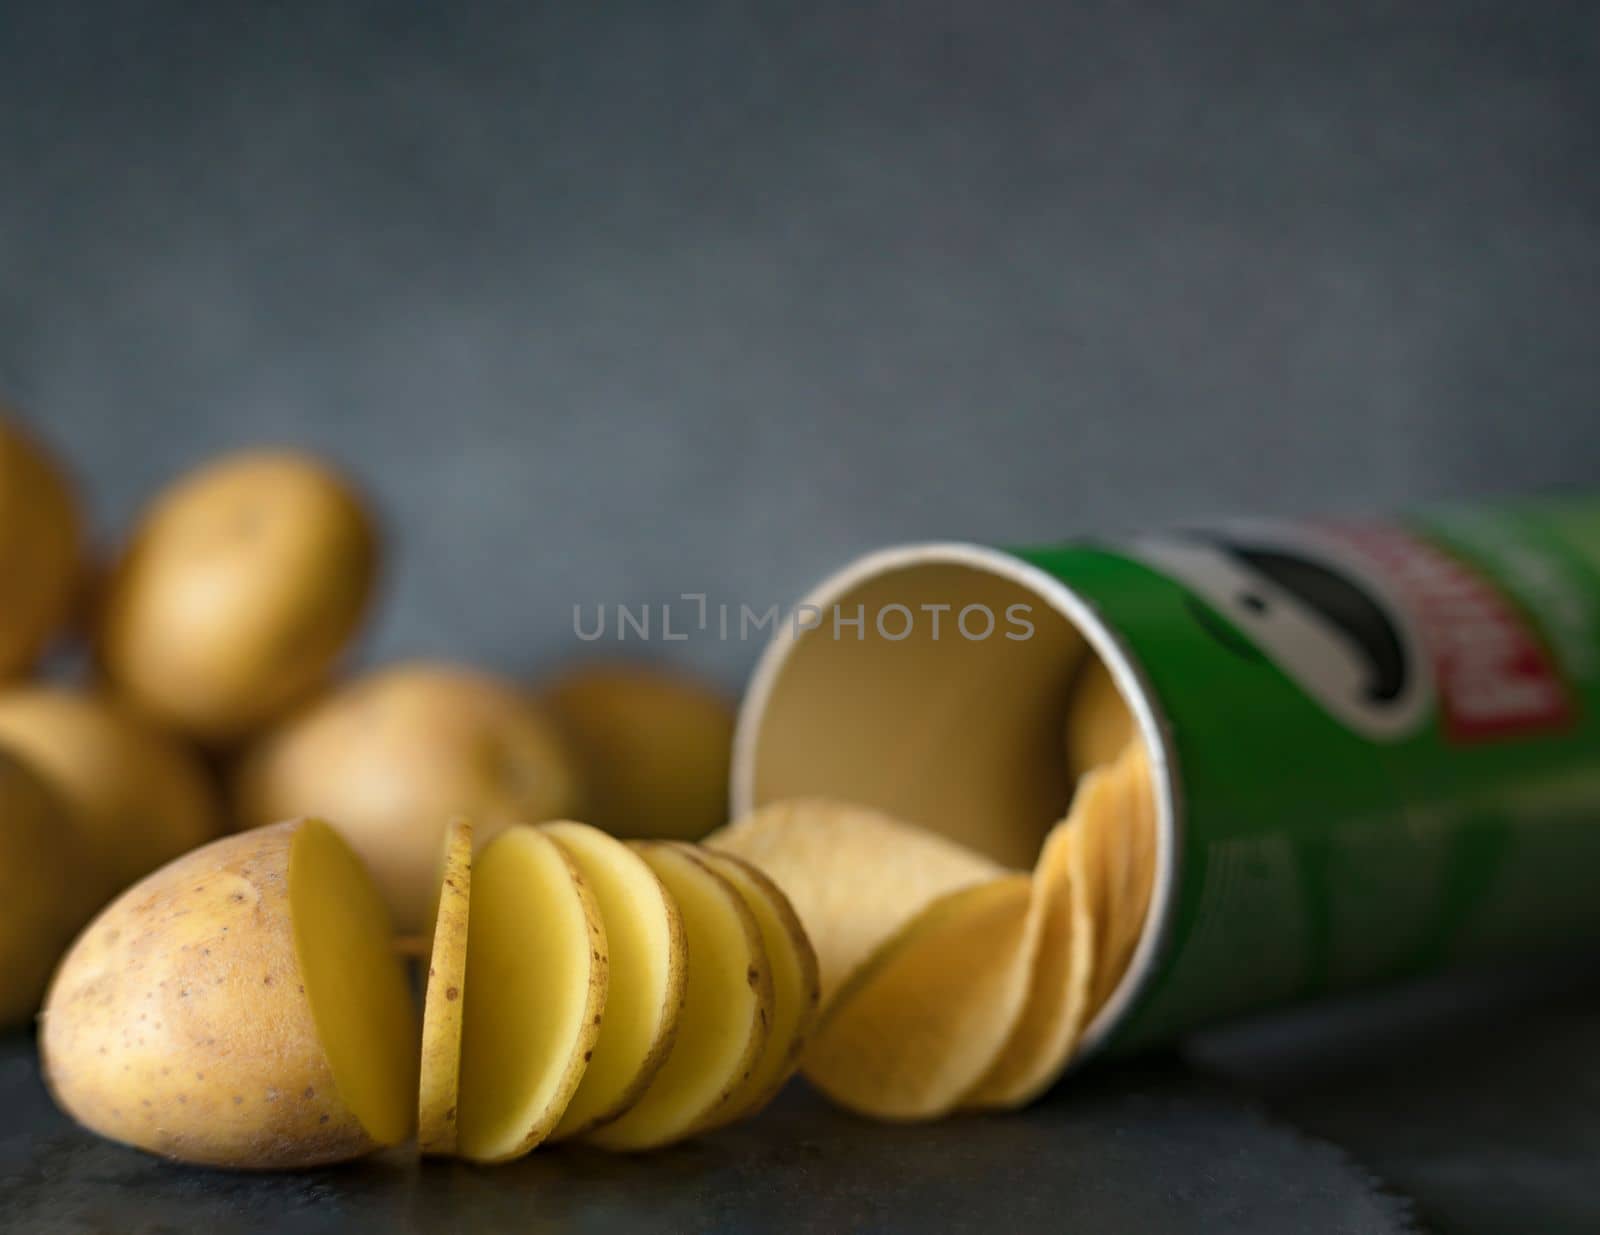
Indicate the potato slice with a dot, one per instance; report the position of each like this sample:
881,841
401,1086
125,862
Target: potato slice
924,1020
240,1007
854,876
536,960
796,987
727,1007
438,1093
1062,945
648,966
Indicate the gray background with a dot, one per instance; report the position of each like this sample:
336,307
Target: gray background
612,306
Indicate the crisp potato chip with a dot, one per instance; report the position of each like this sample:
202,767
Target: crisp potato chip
1116,816
1063,931
919,1025
853,875
439,1089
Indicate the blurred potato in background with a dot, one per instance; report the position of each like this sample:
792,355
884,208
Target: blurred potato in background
241,586
41,548
654,747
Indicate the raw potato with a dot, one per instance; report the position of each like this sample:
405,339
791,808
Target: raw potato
654,747
920,1025
727,1007
138,797
394,755
438,1092
854,876
648,962
240,1007
42,882
41,549
537,970
796,987
241,587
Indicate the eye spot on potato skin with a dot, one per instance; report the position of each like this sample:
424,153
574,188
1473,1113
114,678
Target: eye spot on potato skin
587,1056
452,993
323,1120
752,976
238,1099
596,1018
309,1093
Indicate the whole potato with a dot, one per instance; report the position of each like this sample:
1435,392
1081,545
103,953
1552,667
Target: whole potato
241,1007
654,748
138,797
41,549
240,588
42,897
392,757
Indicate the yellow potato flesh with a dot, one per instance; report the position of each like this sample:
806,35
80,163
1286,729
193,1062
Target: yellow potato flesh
438,1092
853,875
655,748
536,959
648,966
727,1007
919,1026
239,1007
391,757
138,797
358,993
795,984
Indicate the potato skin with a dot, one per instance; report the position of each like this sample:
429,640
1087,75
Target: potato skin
179,1023
654,747
242,585
392,757
138,796
41,549
42,886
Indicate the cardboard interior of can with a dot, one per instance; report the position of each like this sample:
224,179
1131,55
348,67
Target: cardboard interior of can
964,736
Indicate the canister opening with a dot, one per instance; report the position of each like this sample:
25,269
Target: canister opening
932,682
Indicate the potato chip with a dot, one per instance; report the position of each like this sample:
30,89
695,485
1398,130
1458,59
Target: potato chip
1064,934
924,1020
853,875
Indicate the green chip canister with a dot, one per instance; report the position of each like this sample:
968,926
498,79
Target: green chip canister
1376,741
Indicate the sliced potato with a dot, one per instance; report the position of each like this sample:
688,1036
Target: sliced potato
924,1020
138,796
1062,931
393,755
438,1093
648,970
854,876
537,989
239,1007
796,986
727,1007
654,745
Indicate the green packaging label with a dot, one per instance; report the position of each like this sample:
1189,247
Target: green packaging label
1383,738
